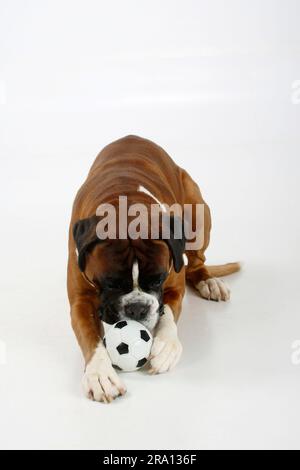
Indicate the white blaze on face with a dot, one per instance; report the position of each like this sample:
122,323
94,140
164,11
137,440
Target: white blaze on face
135,275
138,296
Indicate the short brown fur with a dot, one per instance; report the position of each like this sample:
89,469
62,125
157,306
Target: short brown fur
118,170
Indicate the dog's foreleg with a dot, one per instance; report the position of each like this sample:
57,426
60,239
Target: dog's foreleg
166,349
100,381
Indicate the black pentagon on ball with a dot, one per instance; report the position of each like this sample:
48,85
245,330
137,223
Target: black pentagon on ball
104,342
121,324
144,335
123,348
141,362
117,367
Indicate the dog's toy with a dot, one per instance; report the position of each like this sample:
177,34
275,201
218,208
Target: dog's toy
128,344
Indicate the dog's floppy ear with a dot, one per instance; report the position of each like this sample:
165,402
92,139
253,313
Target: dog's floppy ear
85,236
175,243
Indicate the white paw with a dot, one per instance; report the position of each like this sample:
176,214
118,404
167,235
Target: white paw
165,354
100,381
166,348
214,289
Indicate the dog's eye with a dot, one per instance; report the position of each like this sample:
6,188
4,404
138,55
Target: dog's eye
153,282
112,284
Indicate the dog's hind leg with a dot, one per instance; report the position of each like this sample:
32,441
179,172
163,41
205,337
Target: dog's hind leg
204,278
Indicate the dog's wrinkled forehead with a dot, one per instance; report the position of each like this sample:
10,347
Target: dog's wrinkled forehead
116,259
122,252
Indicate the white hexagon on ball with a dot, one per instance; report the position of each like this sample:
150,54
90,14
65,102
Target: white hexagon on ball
128,344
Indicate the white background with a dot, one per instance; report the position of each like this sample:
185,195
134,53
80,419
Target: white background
215,84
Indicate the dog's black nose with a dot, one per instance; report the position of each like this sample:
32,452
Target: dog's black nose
136,310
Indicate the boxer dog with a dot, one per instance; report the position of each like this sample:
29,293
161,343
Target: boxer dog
138,278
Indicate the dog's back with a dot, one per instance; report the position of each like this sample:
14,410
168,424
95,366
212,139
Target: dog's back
124,165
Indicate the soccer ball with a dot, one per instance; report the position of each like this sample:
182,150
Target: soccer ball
128,344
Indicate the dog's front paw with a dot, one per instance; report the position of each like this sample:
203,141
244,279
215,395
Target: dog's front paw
100,381
165,353
214,289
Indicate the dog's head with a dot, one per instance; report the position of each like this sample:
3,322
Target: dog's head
129,274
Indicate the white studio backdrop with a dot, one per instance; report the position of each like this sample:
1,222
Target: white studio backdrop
217,84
